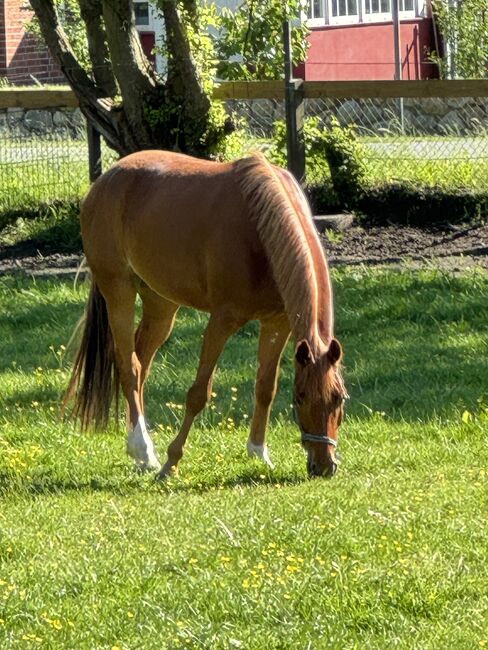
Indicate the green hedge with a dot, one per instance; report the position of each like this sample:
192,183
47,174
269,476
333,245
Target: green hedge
406,204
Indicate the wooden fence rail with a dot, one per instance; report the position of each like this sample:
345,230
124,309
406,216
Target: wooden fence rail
63,97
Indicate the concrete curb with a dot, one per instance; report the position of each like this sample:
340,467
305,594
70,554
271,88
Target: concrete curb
336,222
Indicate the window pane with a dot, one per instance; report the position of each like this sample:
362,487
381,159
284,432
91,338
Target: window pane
342,8
334,7
317,9
352,7
385,6
375,7
141,10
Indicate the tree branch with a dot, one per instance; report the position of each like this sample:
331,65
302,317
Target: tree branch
96,110
91,13
183,83
134,74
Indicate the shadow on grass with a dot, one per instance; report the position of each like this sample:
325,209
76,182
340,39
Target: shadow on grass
55,485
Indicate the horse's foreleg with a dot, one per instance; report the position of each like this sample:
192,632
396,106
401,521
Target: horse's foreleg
218,330
272,340
120,296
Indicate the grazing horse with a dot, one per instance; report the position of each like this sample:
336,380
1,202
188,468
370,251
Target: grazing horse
233,239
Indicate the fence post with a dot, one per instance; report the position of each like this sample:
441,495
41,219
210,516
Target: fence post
94,152
295,112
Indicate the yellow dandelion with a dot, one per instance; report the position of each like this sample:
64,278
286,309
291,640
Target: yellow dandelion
233,389
130,615
193,560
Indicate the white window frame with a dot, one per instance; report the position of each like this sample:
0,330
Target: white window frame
379,17
320,21
419,11
343,20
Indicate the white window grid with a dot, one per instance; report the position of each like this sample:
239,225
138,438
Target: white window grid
321,13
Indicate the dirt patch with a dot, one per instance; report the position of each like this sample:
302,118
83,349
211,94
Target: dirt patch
452,248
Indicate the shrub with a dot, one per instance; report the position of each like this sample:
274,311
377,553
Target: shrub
335,162
418,206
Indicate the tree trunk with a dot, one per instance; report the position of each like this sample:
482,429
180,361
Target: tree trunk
122,96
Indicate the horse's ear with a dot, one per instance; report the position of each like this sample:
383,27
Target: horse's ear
334,353
303,353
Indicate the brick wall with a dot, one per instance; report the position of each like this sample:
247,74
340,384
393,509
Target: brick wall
20,54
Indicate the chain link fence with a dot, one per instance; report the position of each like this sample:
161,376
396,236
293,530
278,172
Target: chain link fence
43,158
429,142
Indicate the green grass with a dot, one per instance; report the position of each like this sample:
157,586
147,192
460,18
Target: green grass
390,553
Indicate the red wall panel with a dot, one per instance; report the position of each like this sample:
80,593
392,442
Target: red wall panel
365,51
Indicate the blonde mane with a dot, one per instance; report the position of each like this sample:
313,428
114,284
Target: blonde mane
285,242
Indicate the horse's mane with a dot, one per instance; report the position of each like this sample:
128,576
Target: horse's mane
285,242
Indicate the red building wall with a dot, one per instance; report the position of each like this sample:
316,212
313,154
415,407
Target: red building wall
365,51
20,54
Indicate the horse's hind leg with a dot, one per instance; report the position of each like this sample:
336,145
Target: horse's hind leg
272,340
120,294
219,328
158,317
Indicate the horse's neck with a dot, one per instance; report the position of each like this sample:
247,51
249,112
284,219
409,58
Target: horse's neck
325,313
292,247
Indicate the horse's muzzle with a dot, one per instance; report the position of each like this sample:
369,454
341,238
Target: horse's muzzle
315,469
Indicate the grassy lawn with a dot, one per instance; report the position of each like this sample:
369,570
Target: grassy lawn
391,553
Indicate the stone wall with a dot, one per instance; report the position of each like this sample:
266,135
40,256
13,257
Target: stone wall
21,122
431,116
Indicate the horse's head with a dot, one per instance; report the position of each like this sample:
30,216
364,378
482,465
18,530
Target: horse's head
318,402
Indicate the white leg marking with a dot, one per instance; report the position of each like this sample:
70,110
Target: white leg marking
259,451
140,446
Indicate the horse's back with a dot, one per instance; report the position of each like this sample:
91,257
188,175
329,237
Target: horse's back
180,223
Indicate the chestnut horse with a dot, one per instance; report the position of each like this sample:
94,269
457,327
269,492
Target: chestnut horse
233,239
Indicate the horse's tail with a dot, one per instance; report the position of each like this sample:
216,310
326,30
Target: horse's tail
94,381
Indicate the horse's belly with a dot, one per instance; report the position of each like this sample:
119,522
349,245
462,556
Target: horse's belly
208,276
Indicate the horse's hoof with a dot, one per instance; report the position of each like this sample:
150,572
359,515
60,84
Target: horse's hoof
261,452
166,472
145,467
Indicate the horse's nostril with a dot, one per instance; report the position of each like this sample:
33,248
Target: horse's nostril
331,470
